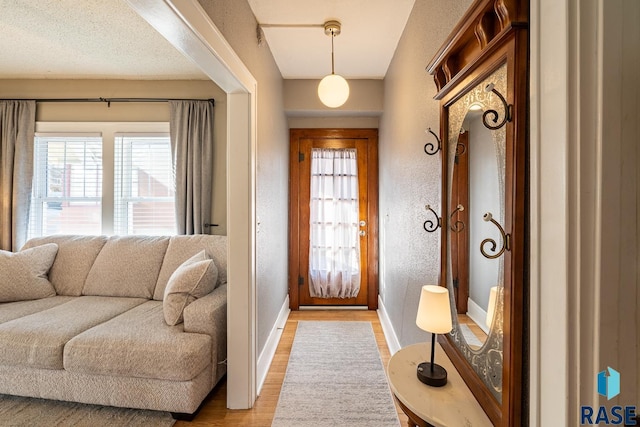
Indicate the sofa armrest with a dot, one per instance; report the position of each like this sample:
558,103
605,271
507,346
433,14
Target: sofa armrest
208,315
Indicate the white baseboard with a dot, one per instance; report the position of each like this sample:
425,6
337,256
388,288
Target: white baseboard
269,351
477,314
387,328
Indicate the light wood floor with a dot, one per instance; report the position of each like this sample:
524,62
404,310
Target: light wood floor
473,327
215,413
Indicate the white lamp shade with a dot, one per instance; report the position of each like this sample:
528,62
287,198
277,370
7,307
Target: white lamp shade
493,295
333,90
434,310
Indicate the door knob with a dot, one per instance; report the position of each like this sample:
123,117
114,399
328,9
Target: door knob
363,223
363,233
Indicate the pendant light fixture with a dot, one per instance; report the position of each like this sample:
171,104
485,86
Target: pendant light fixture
333,89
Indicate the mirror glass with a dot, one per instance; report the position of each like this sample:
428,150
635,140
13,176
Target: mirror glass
476,193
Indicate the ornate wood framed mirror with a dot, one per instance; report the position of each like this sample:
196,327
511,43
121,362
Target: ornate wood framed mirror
481,74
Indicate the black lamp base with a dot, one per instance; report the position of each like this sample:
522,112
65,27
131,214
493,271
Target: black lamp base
435,378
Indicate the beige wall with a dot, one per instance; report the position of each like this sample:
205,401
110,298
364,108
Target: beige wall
362,109
131,112
410,179
333,122
620,203
238,25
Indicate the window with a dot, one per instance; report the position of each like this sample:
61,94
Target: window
116,179
144,185
67,186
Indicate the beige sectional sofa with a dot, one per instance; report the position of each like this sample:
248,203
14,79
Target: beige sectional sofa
103,339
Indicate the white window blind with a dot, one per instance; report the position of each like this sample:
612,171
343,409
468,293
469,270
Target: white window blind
67,185
144,185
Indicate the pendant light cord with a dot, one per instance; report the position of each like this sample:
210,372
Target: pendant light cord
332,61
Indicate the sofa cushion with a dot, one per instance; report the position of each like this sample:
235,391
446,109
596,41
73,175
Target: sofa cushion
24,274
182,248
37,340
139,343
14,310
195,278
127,266
76,255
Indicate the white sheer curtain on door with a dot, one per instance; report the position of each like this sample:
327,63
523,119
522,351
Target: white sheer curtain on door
334,250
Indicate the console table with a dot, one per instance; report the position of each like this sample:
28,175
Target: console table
450,406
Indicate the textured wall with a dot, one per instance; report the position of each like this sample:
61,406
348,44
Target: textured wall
238,25
409,179
131,112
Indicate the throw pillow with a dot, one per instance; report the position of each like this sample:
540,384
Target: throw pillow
195,278
24,274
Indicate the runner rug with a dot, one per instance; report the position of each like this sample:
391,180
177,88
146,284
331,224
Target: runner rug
335,377
23,411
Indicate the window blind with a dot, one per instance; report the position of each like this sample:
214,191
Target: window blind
67,185
144,185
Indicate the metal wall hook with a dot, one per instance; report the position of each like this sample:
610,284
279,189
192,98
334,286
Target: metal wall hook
506,239
429,147
507,110
429,225
459,225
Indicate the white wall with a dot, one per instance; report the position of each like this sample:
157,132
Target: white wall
410,179
585,97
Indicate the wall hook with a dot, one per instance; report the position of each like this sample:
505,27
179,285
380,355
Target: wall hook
429,147
507,110
506,239
429,225
458,225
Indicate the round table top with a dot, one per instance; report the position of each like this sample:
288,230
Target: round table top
451,405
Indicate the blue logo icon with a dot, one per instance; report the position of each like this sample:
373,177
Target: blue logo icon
609,385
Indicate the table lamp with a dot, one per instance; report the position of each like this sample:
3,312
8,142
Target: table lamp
434,316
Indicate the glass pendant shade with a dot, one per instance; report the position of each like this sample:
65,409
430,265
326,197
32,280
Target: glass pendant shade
333,90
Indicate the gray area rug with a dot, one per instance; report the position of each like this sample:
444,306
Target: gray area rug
334,378
23,411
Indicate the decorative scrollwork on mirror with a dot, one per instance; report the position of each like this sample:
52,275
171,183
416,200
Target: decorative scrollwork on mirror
481,73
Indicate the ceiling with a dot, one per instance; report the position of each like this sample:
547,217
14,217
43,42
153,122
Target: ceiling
106,39
370,33
84,39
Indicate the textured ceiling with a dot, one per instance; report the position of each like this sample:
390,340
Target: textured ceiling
106,39
84,39
371,30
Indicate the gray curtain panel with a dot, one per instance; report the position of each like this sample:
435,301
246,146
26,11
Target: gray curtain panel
17,127
191,129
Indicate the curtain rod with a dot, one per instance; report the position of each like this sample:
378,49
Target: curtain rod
109,100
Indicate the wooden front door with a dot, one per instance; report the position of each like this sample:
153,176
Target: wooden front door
365,142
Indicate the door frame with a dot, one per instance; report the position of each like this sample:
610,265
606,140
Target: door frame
295,136
186,26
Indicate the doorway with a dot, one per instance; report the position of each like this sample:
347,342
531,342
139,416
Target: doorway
304,145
